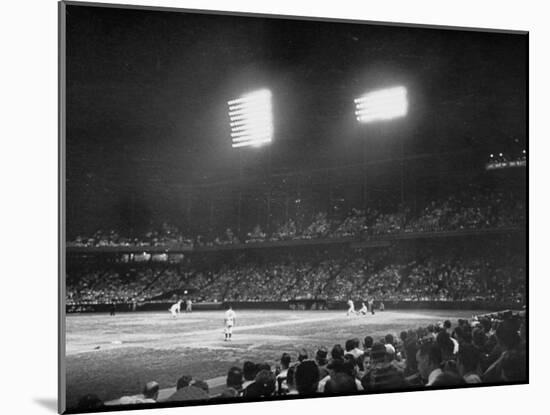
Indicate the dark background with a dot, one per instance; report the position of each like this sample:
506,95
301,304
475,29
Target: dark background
148,132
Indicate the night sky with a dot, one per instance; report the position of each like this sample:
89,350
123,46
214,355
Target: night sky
147,96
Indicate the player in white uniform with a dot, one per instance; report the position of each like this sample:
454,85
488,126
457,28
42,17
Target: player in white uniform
363,310
175,309
229,321
351,309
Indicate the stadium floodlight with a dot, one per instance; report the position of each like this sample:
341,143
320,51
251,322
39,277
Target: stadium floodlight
251,119
384,104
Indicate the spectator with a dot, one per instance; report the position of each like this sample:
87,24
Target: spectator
250,370
149,395
235,379
281,385
445,379
290,380
429,361
468,363
341,383
382,374
91,403
307,377
263,386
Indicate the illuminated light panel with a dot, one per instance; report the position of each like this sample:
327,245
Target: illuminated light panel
384,104
251,119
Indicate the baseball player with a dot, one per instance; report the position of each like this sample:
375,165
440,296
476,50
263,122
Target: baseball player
175,309
229,321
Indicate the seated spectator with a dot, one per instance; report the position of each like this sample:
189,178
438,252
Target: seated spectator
307,377
250,370
291,381
446,345
302,355
149,395
508,339
281,386
322,362
189,390
382,374
262,387
341,383
91,403
337,352
448,379
389,343
184,381
514,367
348,366
429,361
235,379
468,363
352,347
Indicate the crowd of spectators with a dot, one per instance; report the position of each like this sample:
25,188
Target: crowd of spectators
469,209
485,350
166,235
493,273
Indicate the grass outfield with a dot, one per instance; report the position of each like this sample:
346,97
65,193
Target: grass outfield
116,356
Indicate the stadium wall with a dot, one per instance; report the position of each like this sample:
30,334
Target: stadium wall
308,304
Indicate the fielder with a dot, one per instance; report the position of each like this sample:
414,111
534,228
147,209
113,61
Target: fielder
363,310
229,321
175,309
351,309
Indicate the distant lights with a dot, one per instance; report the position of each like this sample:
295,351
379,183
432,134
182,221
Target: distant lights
384,104
251,119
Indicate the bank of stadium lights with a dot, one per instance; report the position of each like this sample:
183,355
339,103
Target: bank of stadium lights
251,119
384,104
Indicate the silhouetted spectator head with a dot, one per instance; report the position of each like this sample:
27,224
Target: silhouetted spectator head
468,359
403,336
479,338
302,355
428,357
90,402
378,353
250,370
285,360
447,324
307,377
507,334
368,342
184,381
321,356
264,385
151,390
337,352
514,366
263,366
229,393
448,379
445,344
201,384
388,339
341,383
290,378
235,378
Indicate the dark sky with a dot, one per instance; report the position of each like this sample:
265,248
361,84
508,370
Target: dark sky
147,94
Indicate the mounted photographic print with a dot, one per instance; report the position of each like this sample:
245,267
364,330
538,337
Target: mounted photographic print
258,207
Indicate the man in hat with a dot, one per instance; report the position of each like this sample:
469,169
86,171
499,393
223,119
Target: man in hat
382,373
